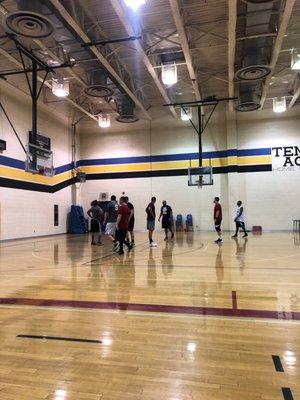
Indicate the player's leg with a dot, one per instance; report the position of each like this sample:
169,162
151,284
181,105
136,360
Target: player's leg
236,229
242,225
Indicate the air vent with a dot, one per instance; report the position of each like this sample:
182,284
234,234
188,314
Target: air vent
29,21
249,97
255,66
259,1
126,111
98,86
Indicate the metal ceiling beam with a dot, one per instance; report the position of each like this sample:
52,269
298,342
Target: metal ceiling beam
295,96
232,12
74,104
130,31
289,5
185,46
56,4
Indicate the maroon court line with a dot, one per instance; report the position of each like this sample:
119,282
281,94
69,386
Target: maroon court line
234,300
170,309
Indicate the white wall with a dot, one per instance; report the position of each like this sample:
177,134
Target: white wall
271,199
26,213
165,135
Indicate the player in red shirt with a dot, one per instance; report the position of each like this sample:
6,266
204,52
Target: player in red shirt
218,219
122,226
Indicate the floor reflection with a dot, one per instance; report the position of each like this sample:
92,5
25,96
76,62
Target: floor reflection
240,253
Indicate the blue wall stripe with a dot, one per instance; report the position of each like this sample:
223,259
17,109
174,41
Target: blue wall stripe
255,152
14,163
63,168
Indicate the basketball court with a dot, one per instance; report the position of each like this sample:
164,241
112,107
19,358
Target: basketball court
188,101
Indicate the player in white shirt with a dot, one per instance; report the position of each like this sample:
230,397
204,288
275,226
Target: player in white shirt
240,220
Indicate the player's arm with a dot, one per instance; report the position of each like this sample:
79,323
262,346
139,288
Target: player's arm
217,214
131,214
160,215
89,213
118,220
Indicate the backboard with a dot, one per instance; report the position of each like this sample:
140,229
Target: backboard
200,176
39,161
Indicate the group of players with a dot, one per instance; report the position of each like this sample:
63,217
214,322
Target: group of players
119,221
239,220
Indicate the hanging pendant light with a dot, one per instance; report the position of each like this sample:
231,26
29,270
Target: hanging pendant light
104,120
134,4
169,74
186,113
279,104
60,87
295,60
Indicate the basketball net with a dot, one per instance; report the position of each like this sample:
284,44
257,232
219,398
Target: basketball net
200,181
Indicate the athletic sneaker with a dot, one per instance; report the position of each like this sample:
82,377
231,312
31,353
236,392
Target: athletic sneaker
100,244
116,246
166,238
233,236
172,236
93,243
130,247
246,234
153,244
219,240
120,252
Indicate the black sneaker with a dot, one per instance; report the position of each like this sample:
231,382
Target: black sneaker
246,234
218,241
120,253
130,247
166,238
172,236
234,236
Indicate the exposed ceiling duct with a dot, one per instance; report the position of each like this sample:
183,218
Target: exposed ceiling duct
98,86
256,51
29,20
259,1
126,111
249,97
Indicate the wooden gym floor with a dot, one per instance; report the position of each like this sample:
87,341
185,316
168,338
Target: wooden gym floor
188,320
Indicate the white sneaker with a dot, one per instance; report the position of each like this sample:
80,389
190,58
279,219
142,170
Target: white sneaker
153,244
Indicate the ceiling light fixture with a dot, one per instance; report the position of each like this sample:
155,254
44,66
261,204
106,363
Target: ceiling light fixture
186,113
169,74
104,120
134,4
295,60
60,87
279,104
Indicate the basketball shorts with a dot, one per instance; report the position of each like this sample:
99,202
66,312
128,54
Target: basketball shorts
218,226
150,225
110,229
95,225
166,223
131,225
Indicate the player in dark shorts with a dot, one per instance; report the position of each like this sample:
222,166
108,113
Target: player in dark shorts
218,219
150,210
122,225
96,215
130,233
166,214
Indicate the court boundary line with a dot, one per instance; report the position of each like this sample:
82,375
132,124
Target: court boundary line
168,309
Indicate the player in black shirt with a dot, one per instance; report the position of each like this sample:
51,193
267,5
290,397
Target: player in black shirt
167,214
130,233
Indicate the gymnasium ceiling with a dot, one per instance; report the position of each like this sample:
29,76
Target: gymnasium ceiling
206,39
